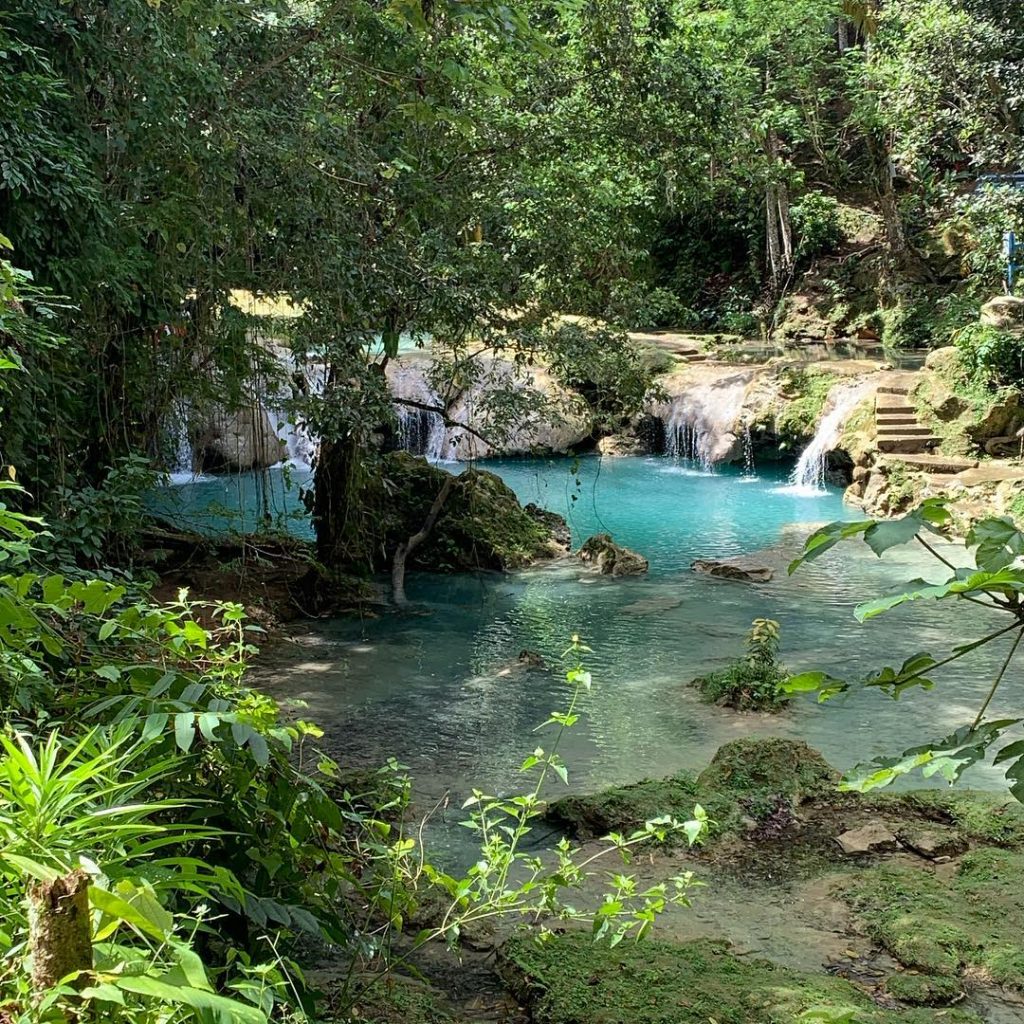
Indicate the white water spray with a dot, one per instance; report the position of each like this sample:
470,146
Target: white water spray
808,475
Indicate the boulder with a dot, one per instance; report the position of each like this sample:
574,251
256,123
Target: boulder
622,444
561,535
729,571
943,360
874,837
933,843
238,441
1005,311
611,559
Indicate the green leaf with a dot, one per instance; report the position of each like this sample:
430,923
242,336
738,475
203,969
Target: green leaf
828,537
184,730
998,541
127,913
891,533
227,1011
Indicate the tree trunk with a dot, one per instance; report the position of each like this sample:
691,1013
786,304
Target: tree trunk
405,549
335,486
59,933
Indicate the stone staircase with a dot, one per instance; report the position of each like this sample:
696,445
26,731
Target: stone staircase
897,428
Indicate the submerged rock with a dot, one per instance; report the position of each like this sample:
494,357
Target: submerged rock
611,559
729,571
874,837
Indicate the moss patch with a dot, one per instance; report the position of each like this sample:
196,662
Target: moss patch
973,920
987,818
482,524
924,989
756,778
624,808
760,769
806,391
573,980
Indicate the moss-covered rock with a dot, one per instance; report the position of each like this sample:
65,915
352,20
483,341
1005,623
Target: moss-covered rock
481,525
573,980
624,808
942,926
751,779
924,989
761,769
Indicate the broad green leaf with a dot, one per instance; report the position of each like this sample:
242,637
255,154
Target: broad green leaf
123,912
998,542
828,537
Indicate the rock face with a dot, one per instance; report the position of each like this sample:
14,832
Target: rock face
622,444
611,559
1005,311
564,423
728,571
241,440
875,837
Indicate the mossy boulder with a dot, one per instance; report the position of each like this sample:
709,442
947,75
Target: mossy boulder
573,980
942,926
748,780
759,770
624,808
481,525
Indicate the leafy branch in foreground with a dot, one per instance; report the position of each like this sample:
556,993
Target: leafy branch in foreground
507,881
995,582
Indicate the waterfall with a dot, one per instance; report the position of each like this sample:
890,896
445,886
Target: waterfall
182,464
421,432
749,468
701,422
808,476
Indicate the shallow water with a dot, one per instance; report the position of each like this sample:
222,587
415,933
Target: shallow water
434,687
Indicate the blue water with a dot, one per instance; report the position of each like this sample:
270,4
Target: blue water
438,687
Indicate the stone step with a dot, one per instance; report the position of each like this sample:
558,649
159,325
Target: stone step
904,431
914,445
934,463
894,419
893,404
696,357
894,389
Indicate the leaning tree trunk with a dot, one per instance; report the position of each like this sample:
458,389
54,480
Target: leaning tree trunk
405,549
59,935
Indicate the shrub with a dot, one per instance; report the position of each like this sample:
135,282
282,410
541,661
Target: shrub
754,683
992,355
816,225
637,306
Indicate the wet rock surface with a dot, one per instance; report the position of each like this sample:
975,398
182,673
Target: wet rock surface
611,559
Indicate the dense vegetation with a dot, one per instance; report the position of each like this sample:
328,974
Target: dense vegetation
206,203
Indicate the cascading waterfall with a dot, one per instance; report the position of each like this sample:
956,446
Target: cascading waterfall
749,467
808,475
701,423
421,431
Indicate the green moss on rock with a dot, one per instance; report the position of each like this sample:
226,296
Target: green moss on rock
573,980
481,526
761,769
924,989
747,778
624,808
938,926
